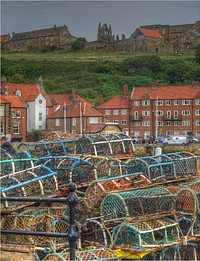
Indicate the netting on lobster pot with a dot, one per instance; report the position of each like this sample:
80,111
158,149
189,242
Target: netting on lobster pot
185,163
97,189
94,234
101,254
151,168
105,144
108,167
34,182
140,203
179,252
145,234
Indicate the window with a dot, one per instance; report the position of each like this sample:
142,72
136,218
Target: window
16,128
74,131
176,123
40,116
168,123
57,122
176,133
93,119
197,133
168,114
159,103
175,114
145,123
159,113
123,112
40,127
145,113
159,123
1,111
1,128
197,123
197,102
18,114
176,102
185,102
186,112
168,102
197,112
47,111
123,122
136,103
116,121
73,121
136,115
115,112
13,113
107,112
108,121
185,123
145,103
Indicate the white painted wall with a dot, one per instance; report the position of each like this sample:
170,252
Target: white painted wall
34,109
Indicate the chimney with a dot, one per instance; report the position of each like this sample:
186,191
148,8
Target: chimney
154,85
100,99
125,90
195,84
40,82
4,87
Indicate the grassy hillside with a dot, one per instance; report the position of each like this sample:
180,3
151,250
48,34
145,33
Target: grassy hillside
95,73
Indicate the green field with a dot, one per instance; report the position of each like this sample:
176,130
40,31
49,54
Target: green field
95,73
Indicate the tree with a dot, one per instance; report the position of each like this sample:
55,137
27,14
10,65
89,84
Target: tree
78,44
197,54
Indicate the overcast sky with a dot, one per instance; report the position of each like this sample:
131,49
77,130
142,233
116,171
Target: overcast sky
83,17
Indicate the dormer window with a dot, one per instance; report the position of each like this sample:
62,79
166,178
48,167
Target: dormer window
18,92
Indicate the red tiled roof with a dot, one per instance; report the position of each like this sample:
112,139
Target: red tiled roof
3,37
73,112
166,92
150,33
118,102
28,90
66,98
15,101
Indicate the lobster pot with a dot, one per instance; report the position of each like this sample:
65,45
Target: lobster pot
196,228
186,202
145,234
37,181
64,169
99,188
102,254
81,212
151,168
136,204
82,173
104,144
108,167
93,233
179,252
185,163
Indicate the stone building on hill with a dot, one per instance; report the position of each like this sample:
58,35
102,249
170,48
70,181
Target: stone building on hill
57,37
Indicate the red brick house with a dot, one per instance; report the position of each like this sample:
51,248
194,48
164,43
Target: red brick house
72,114
13,117
117,110
165,110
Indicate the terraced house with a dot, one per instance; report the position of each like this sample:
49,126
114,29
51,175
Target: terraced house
165,110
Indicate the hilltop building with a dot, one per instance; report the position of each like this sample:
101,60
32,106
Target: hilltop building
57,37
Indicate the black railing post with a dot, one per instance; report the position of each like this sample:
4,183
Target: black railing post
72,234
